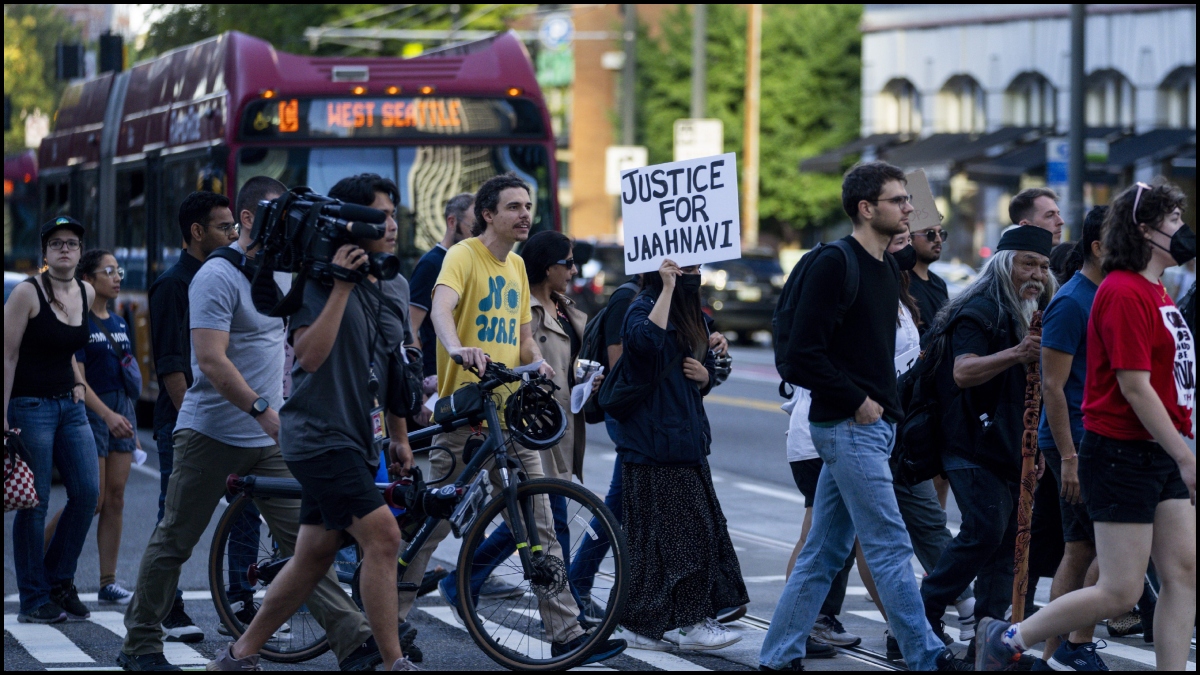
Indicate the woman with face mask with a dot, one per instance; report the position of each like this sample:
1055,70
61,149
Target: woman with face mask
45,323
1136,472
684,569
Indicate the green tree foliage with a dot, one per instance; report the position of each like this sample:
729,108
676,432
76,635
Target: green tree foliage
30,34
811,64
284,25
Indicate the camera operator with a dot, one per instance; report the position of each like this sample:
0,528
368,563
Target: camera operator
343,336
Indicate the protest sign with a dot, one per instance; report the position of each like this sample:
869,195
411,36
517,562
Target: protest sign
686,211
925,214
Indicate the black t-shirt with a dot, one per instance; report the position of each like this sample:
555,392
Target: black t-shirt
930,295
844,364
424,278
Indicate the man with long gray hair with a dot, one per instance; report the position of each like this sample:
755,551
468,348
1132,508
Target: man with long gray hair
981,387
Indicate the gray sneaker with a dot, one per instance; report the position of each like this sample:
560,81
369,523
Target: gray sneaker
403,663
829,629
225,661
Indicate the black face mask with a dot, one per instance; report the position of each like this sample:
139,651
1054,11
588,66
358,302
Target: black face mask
689,283
906,258
1183,245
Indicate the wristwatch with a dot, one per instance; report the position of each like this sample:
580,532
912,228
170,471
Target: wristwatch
259,407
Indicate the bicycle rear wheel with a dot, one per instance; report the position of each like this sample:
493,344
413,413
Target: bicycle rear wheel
509,626
255,554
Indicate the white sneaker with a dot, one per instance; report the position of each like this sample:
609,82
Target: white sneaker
636,641
966,619
704,636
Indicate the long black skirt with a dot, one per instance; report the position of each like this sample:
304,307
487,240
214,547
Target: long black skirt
682,563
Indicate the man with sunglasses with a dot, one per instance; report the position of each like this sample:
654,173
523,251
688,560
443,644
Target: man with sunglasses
927,288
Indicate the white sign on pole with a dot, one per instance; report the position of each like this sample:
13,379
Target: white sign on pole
695,138
618,159
686,211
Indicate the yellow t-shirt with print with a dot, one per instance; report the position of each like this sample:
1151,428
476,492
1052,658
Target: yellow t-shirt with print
493,304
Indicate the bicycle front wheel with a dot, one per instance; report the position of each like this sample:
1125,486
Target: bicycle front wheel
507,607
244,558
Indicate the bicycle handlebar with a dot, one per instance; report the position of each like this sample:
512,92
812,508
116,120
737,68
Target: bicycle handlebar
497,374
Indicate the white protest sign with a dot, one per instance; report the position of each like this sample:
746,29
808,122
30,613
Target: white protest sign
925,214
686,211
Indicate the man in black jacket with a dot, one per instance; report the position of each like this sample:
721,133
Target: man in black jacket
982,387
849,368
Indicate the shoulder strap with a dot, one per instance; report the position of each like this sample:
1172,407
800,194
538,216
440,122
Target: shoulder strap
117,349
392,305
850,286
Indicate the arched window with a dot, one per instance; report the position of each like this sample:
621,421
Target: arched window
1109,100
961,106
1031,101
898,109
1177,99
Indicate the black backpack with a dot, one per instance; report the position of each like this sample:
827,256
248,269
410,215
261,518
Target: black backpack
917,454
594,349
783,321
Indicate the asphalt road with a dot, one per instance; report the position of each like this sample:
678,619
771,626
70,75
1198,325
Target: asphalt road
760,501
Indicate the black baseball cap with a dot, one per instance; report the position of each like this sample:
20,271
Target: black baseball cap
61,223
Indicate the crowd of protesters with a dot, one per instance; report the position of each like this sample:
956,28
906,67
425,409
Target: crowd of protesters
1117,362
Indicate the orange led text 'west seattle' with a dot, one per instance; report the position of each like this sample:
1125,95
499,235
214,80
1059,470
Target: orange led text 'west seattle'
421,113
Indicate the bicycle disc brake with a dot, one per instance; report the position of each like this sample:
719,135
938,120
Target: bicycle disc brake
549,576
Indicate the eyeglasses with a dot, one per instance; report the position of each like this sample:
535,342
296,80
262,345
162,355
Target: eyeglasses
568,263
110,271
932,236
1137,198
58,244
895,201
227,229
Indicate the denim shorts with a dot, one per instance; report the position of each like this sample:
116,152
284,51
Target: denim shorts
119,403
335,488
1124,481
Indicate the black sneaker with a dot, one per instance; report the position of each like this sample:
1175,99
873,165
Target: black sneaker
816,649
947,661
154,661
940,631
600,652
245,611
47,613
794,664
408,636
893,647
366,657
179,627
67,597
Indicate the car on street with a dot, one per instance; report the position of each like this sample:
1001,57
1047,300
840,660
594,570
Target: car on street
956,275
603,272
740,295
11,279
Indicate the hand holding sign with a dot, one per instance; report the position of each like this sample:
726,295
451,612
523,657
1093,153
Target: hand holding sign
685,210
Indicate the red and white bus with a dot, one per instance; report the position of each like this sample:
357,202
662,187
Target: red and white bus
128,147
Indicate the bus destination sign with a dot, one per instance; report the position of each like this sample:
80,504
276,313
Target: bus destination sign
358,117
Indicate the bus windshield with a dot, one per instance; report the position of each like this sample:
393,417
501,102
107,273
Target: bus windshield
427,175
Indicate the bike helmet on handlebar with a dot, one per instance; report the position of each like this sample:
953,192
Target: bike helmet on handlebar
534,418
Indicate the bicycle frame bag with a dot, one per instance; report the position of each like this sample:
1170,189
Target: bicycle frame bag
464,404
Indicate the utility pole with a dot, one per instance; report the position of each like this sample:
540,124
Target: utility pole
1078,131
629,76
699,60
750,139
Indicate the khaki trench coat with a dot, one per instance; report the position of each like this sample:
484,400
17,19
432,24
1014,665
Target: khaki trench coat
566,458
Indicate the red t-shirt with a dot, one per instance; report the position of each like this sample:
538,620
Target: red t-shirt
1135,326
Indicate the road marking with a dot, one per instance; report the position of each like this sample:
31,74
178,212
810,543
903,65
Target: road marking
146,471
765,541
91,597
742,402
525,646
771,492
176,652
765,579
45,643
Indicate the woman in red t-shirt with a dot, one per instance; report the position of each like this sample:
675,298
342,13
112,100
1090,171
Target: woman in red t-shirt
1137,474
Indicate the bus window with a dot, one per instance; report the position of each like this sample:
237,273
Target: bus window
22,238
131,226
88,206
180,178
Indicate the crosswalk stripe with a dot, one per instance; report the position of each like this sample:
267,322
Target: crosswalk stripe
92,597
527,646
44,642
177,653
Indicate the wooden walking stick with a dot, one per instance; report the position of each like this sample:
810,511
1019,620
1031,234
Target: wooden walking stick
1029,448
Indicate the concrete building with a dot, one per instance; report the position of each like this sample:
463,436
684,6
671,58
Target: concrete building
973,94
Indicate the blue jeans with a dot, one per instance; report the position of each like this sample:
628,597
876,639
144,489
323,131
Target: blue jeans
854,494
243,542
55,432
587,560
500,545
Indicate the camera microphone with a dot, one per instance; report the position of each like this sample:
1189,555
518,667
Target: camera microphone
363,214
360,230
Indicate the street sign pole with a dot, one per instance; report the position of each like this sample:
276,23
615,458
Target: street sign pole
750,139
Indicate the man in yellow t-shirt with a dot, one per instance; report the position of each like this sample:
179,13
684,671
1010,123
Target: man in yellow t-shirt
481,312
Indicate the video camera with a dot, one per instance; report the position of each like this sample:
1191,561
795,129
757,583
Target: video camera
300,231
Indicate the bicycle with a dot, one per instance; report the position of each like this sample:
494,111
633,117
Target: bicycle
507,628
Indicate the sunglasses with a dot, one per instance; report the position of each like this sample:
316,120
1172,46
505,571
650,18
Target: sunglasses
568,263
1137,198
933,236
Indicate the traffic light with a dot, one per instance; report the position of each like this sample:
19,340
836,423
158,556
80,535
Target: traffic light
68,61
112,53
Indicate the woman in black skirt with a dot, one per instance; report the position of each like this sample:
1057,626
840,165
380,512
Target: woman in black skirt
684,569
